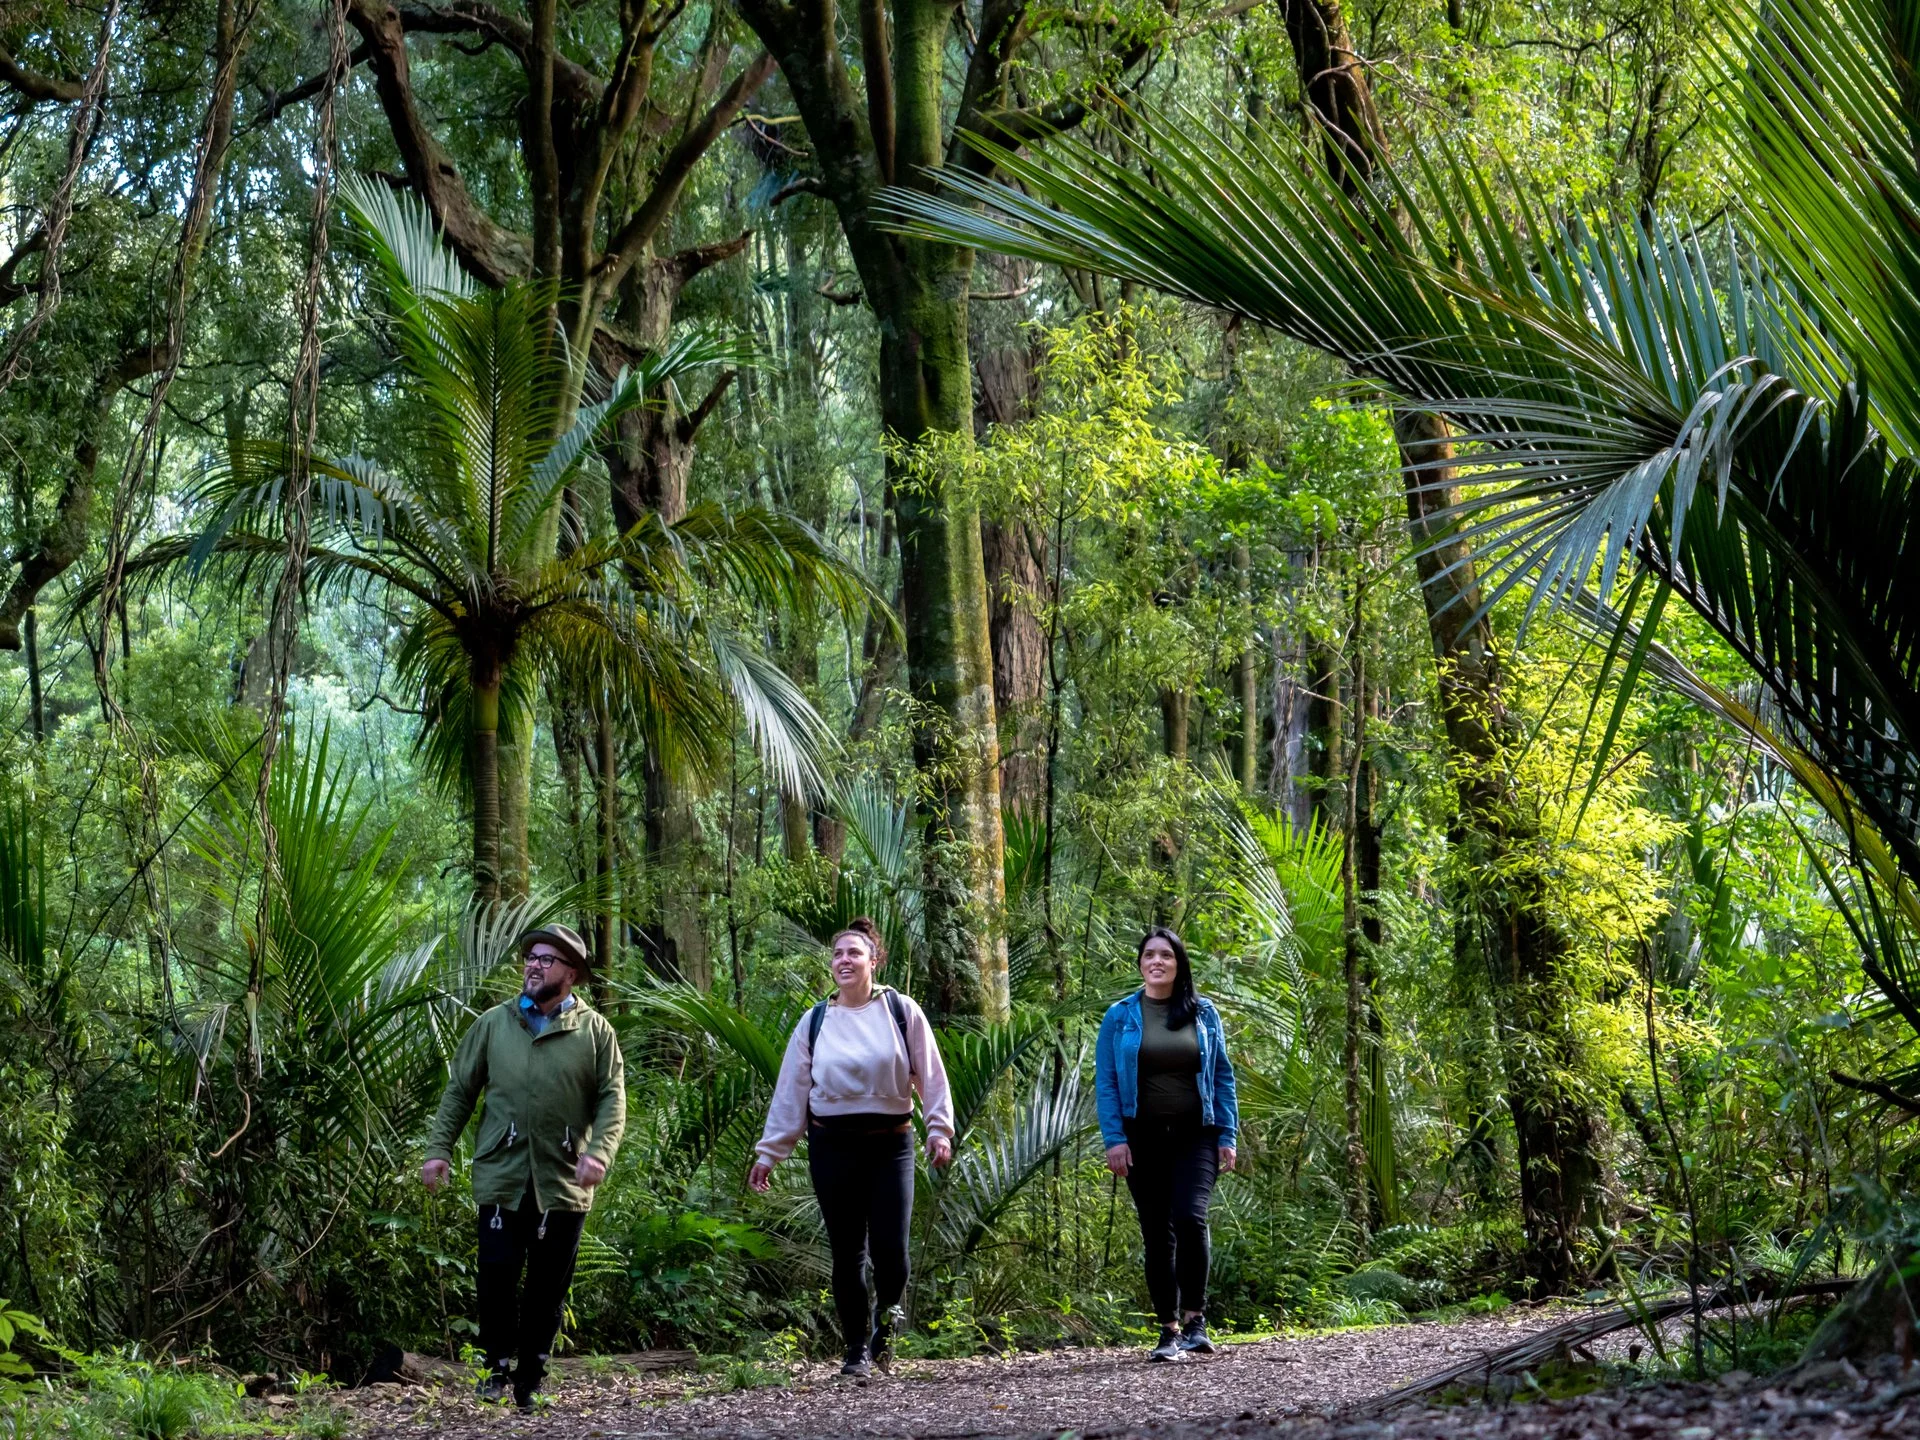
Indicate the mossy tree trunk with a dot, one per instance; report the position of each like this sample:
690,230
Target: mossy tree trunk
1554,1126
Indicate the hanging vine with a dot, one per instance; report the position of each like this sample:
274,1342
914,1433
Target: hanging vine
86,116
303,423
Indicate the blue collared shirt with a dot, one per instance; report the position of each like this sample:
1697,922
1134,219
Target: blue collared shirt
536,1021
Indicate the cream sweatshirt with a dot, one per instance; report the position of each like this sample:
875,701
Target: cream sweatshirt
858,1067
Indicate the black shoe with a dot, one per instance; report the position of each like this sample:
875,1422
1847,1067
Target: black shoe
880,1347
494,1385
1169,1346
526,1397
857,1364
1193,1338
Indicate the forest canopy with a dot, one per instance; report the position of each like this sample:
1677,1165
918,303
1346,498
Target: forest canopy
1419,499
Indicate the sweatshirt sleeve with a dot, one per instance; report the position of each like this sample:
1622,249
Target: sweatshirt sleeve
610,1105
466,1078
929,1073
787,1115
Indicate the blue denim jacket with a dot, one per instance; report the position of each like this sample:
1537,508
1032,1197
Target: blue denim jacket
1116,1071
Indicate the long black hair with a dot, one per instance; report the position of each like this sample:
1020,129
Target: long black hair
1185,1000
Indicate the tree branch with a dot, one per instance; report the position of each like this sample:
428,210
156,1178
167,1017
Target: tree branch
494,254
685,264
35,86
675,170
64,541
689,424
876,59
281,101
462,17
805,185
1893,1097
10,288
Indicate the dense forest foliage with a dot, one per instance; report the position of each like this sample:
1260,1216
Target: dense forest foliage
1418,497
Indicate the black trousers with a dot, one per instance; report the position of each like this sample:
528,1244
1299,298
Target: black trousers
1171,1180
520,1321
864,1182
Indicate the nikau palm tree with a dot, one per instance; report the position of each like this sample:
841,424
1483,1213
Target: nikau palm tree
477,528
1743,436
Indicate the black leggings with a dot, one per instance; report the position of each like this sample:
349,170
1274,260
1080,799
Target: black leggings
864,1182
516,1321
1171,1179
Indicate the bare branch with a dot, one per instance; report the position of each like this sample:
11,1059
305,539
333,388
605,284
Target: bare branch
805,185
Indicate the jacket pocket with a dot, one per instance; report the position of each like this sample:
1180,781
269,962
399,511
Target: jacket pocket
497,1133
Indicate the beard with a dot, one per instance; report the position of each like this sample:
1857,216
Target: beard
544,990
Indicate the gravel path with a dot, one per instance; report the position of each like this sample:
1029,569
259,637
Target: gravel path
1082,1390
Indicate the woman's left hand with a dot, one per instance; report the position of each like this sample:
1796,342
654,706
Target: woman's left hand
939,1151
1227,1155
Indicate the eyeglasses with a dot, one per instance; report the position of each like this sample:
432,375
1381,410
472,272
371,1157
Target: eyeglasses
545,959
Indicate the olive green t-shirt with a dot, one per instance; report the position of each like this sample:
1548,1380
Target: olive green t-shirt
1169,1065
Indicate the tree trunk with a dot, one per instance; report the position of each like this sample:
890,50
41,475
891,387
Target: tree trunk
1247,765
1353,945
607,833
1015,557
36,702
925,387
917,291
486,788
1290,769
1006,392
649,462
1554,1129
514,747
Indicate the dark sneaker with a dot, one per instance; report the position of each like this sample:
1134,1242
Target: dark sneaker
880,1348
527,1397
1193,1338
1169,1346
857,1364
494,1385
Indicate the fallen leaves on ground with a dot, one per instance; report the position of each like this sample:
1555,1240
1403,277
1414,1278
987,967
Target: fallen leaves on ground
1024,1394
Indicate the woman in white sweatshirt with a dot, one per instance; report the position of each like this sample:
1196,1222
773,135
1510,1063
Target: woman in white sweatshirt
847,1081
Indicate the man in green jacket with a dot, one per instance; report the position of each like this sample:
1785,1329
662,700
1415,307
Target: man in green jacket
556,1104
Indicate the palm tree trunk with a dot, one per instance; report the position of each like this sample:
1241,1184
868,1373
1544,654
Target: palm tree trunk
486,789
515,768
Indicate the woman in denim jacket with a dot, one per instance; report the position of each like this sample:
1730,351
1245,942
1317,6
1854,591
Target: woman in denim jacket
1169,1116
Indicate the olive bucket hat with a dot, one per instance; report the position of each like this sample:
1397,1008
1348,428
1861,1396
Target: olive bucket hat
566,940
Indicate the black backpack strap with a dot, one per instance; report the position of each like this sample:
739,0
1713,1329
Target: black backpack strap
900,1020
816,1017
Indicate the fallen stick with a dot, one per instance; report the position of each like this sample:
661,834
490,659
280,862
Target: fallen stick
1562,1339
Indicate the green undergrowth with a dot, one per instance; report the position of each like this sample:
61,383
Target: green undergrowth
125,1397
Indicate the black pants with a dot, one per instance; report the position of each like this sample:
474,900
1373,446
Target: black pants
1174,1167
864,1182
516,1321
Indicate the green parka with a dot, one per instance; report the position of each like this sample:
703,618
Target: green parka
550,1099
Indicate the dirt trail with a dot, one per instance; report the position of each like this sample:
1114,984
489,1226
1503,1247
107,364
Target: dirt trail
1078,1390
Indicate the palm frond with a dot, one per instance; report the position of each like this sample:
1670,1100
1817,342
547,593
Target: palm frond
1593,370
1016,1146
399,232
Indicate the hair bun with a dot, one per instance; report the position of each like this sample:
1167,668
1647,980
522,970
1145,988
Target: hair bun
863,926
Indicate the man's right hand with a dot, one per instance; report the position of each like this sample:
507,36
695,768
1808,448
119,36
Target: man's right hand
760,1177
1120,1158
435,1173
